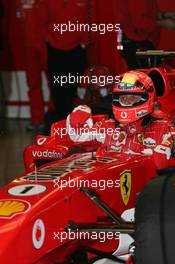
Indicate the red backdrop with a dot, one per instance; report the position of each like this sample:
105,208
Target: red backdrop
13,54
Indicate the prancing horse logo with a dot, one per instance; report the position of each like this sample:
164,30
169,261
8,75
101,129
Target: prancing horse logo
125,185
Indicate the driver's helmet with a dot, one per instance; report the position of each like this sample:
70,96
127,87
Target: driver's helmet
133,97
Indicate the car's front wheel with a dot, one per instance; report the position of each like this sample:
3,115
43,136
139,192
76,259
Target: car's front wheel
155,222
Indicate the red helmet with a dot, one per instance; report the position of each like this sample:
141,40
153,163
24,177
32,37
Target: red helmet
133,97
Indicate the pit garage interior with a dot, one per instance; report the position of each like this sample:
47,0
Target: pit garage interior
14,88
12,64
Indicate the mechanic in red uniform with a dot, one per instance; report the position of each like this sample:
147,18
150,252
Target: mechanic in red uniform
36,62
141,22
141,130
66,50
31,57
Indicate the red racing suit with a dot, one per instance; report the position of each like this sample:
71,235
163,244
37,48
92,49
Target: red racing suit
81,129
155,138
138,20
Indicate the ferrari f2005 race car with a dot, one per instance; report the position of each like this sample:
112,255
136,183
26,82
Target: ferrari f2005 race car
61,211
79,207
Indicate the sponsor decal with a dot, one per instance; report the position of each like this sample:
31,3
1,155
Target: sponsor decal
124,115
163,150
38,234
27,189
149,142
122,137
116,135
116,149
132,129
141,113
148,152
53,172
140,138
167,139
119,138
125,185
126,86
47,154
9,208
41,141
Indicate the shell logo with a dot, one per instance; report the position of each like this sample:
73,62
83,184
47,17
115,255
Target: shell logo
10,208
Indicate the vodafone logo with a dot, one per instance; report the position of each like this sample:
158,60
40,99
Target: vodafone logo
124,115
38,233
47,154
41,141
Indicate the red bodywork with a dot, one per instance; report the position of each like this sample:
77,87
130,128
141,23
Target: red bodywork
56,206
164,82
36,208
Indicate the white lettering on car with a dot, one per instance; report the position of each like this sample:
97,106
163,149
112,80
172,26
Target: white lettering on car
47,154
163,150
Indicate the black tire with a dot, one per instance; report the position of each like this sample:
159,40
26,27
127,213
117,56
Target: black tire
155,222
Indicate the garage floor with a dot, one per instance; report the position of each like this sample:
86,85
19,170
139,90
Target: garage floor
13,140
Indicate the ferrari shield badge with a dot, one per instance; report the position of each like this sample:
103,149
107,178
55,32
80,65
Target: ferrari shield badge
140,138
125,185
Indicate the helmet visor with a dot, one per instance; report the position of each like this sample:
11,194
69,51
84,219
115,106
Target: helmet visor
129,99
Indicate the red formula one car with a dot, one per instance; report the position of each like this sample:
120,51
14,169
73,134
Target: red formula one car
79,207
